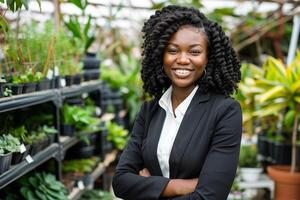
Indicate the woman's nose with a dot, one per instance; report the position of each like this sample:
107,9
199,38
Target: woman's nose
183,59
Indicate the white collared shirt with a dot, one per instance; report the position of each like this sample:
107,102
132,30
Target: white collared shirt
170,127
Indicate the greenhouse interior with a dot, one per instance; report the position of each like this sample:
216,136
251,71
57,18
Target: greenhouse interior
72,88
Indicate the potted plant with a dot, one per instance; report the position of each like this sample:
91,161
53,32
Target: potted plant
117,135
42,186
8,145
280,93
22,134
249,166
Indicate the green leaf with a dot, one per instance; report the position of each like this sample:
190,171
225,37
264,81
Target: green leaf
271,109
289,118
276,92
295,87
77,3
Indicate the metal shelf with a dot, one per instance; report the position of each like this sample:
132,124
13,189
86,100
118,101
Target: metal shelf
30,99
76,90
92,177
67,142
24,167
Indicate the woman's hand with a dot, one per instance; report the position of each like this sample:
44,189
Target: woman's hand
144,172
179,187
176,187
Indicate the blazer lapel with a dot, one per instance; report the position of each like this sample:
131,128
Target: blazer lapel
153,135
186,130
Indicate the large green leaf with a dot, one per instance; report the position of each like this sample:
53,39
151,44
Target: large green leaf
276,92
275,70
271,109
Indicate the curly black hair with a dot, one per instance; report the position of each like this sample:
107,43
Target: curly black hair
223,67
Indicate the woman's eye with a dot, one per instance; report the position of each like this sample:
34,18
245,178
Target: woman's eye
172,51
195,52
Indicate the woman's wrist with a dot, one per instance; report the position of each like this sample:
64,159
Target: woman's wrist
179,187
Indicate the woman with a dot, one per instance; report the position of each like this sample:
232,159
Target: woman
185,142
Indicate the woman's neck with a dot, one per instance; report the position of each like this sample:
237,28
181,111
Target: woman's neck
179,95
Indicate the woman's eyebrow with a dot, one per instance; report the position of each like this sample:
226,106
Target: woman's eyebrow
192,45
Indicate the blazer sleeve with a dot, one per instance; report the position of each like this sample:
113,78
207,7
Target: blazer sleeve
127,184
219,170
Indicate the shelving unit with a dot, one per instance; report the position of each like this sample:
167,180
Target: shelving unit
24,167
57,149
98,171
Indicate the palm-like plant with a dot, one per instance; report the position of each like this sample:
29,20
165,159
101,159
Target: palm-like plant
246,94
279,91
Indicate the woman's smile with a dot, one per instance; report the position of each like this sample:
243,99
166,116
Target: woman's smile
182,73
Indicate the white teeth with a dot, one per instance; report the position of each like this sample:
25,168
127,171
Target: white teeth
182,72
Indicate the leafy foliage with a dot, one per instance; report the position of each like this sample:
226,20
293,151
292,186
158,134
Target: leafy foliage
80,165
15,5
41,186
82,118
248,156
117,134
9,143
96,195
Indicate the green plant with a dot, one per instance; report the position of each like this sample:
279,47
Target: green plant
80,165
248,156
41,186
96,195
27,77
15,5
279,93
246,94
117,135
7,92
83,33
82,118
9,143
127,81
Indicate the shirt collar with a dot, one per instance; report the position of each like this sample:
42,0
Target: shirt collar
183,106
166,103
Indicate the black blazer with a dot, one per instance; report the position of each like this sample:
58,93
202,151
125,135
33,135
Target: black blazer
206,146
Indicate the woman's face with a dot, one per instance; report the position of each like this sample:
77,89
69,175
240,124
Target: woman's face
185,56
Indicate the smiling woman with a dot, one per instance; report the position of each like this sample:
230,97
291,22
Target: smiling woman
185,59
185,142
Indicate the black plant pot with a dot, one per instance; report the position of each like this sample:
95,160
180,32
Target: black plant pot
69,80
92,74
77,79
43,84
5,162
75,101
18,157
263,146
16,89
92,141
36,147
271,148
55,82
107,146
86,152
282,154
2,88
28,88
90,61
67,130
